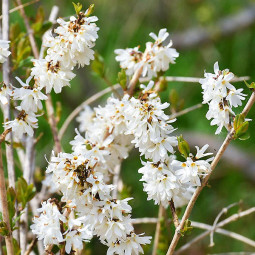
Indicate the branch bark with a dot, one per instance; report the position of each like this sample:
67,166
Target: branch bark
196,194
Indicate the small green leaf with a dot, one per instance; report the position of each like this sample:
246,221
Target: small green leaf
250,86
239,119
122,79
77,7
173,98
3,229
90,10
183,146
97,65
243,137
240,132
186,228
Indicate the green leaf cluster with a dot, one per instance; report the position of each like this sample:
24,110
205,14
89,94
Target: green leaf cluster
183,146
241,127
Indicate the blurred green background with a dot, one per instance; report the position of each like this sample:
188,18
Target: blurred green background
128,24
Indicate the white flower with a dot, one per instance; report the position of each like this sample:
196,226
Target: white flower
194,168
221,96
81,34
155,58
85,118
129,59
129,245
4,50
47,225
23,124
4,92
51,75
31,96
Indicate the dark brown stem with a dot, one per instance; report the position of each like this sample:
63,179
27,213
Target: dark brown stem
174,214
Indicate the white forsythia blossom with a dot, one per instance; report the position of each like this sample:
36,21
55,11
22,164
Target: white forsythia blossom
47,226
130,59
162,184
23,124
81,183
155,58
31,97
71,46
191,171
150,126
4,92
221,96
51,75
4,50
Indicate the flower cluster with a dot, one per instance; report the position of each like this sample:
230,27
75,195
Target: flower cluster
4,50
155,58
78,176
221,96
31,101
71,46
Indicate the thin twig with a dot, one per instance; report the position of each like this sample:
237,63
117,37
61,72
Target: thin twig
223,211
134,80
230,219
185,111
157,233
6,107
29,30
53,123
115,181
31,246
5,212
224,232
214,163
192,79
21,6
174,214
76,111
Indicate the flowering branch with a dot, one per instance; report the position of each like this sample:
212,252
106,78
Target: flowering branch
214,163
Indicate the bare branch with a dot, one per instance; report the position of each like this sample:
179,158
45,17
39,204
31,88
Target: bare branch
230,219
29,30
4,203
157,233
223,211
214,163
174,214
192,79
21,6
185,111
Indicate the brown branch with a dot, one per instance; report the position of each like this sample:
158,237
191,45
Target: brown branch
134,80
174,214
21,6
53,123
214,163
230,219
31,246
157,233
4,203
29,30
